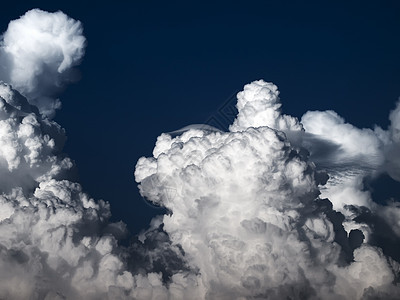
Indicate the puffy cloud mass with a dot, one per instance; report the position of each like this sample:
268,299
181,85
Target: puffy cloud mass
249,207
274,208
37,53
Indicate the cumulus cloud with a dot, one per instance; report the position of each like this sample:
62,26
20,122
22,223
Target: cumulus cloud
274,208
259,105
55,240
37,53
354,157
29,144
246,208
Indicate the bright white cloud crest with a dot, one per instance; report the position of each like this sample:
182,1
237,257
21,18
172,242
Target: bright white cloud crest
246,219
37,53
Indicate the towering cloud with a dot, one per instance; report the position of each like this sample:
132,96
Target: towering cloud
245,205
275,208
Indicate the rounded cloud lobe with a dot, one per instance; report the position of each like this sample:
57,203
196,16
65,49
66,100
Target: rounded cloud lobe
37,53
248,215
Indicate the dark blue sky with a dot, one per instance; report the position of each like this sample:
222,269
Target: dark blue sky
153,67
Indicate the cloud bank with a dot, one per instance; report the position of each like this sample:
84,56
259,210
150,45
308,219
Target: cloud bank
274,208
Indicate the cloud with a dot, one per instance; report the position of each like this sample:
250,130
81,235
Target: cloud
353,158
246,208
259,105
393,144
248,214
29,144
37,53
347,153
54,238
55,241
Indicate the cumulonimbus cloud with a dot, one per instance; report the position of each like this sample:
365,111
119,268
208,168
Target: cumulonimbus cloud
248,209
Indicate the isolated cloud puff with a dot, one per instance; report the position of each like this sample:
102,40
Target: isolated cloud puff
37,53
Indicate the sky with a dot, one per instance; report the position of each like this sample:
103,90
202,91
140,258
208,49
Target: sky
136,70
153,67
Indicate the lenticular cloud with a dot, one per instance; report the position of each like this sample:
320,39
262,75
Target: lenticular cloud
275,208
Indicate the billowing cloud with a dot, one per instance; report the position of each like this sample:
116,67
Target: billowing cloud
274,208
353,157
29,144
37,53
246,210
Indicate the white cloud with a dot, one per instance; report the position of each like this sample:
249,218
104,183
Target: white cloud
245,219
258,105
246,211
353,156
55,241
37,53
29,144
